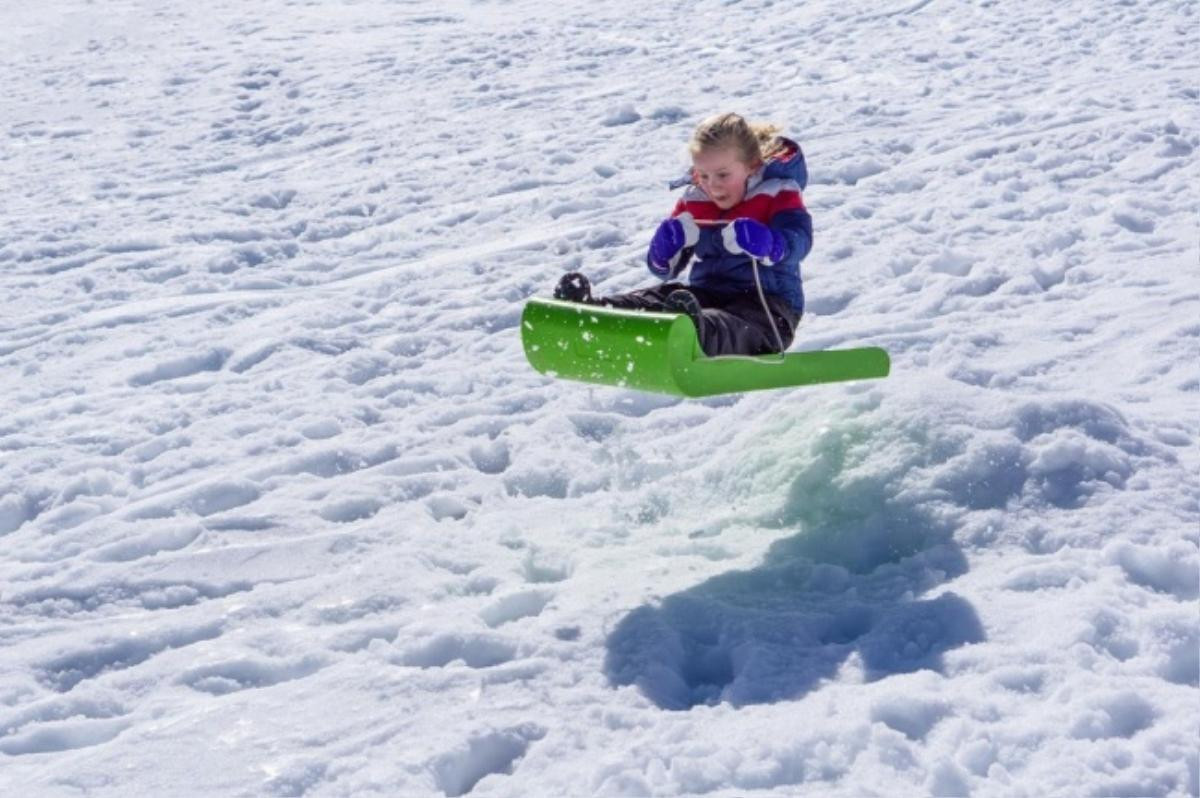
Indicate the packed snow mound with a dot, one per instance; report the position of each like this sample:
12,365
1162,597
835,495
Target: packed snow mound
878,499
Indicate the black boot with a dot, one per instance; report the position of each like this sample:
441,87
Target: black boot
574,287
682,301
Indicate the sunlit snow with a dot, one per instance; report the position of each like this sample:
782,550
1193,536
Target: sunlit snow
284,510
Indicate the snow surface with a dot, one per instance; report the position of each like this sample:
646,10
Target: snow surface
285,512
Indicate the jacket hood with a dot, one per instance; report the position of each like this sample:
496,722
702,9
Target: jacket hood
787,165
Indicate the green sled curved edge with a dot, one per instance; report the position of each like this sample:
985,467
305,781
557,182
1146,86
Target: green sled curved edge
659,352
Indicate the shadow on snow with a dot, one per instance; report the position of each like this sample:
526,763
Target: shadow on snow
849,586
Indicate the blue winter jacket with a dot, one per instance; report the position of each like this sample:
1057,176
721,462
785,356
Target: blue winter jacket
773,197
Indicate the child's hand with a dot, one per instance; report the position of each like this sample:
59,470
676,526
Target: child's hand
669,240
755,239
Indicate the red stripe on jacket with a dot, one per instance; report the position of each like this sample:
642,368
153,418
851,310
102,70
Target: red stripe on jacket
760,207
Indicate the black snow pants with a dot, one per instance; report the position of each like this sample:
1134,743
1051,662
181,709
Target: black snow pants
730,324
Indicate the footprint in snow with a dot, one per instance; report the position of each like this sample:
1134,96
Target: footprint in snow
350,510
64,672
61,724
64,735
245,674
458,771
212,360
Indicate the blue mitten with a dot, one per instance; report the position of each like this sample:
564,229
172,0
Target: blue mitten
755,239
669,241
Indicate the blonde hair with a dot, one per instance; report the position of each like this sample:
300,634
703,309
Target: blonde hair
753,142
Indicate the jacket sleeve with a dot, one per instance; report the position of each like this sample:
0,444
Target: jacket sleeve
681,261
791,219
684,257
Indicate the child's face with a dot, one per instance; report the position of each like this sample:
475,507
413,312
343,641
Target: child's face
721,176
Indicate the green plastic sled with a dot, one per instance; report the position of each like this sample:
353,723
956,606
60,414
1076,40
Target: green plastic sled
660,352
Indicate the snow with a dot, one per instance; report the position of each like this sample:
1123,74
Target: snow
285,512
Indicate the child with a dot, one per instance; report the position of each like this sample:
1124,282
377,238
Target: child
742,203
